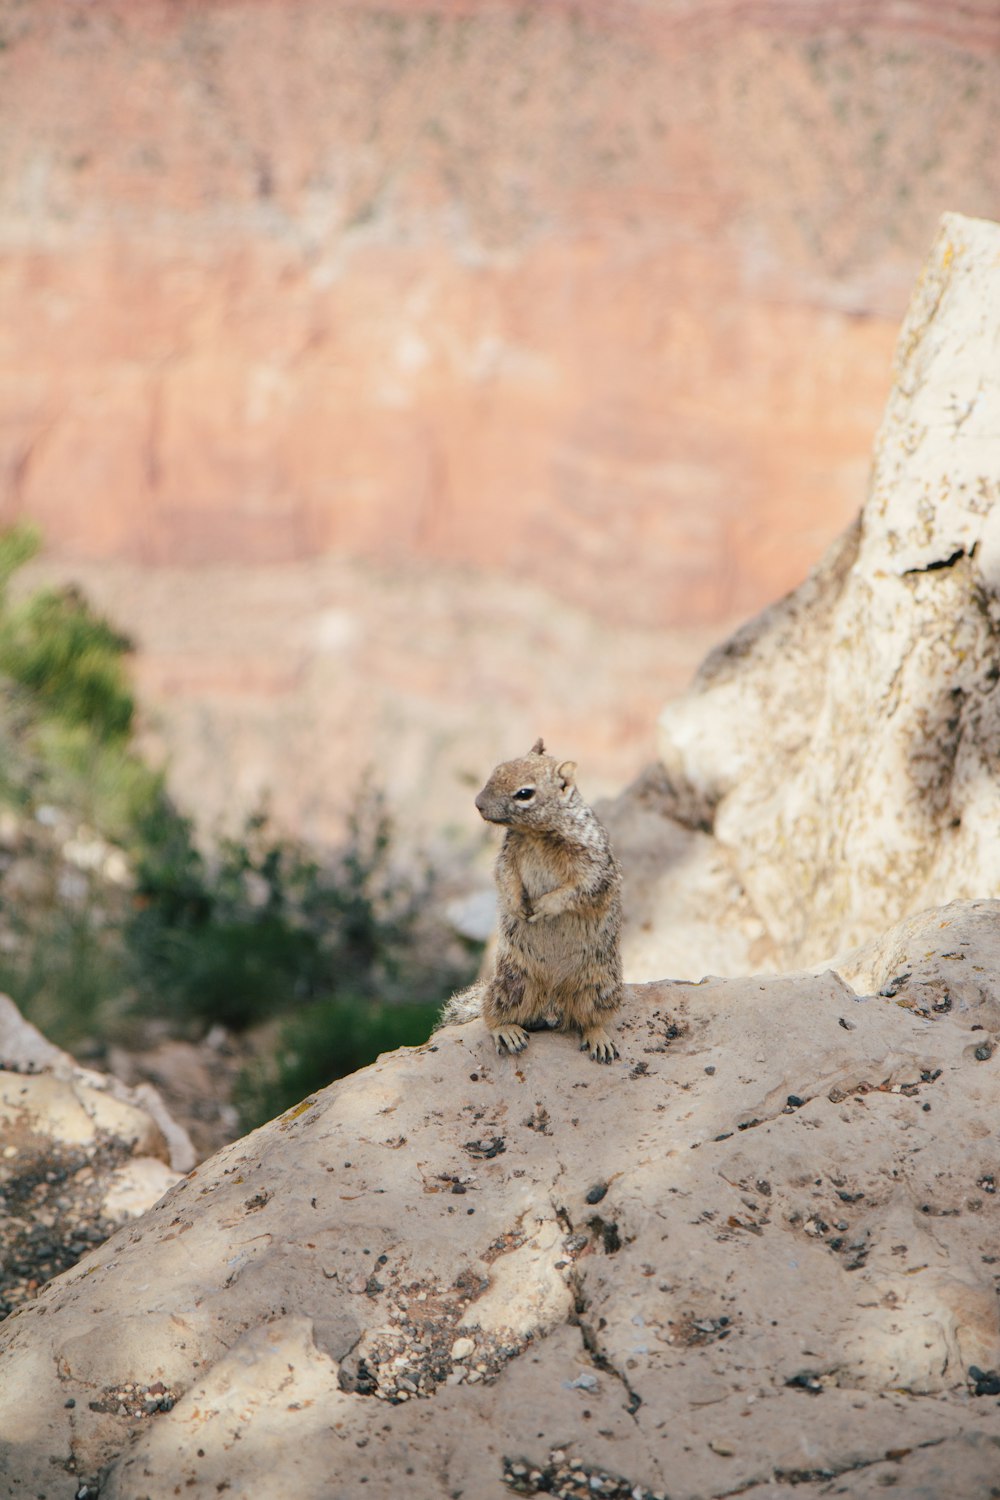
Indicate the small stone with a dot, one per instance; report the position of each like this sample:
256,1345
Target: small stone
722,1449
472,1377
597,1192
462,1348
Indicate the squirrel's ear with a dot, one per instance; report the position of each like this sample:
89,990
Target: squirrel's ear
537,748
567,773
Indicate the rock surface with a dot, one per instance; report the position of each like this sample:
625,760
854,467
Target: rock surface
81,1154
834,762
760,1250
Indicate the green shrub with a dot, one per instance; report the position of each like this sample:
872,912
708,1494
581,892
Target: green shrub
255,930
70,660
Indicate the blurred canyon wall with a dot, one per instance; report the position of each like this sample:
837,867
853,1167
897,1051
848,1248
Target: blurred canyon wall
600,294
597,296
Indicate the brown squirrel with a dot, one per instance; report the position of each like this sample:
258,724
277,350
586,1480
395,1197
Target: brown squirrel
559,888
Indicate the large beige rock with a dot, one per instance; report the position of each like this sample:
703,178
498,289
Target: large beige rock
842,747
758,1250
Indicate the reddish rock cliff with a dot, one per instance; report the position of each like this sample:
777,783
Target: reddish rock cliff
549,290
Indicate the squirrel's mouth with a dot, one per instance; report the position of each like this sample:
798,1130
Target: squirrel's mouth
483,805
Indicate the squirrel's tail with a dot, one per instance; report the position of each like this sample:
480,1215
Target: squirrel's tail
465,1006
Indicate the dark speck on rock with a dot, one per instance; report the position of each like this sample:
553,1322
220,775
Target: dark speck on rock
597,1192
984,1382
806,1380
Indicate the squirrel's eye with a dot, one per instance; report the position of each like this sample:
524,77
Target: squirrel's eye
524,794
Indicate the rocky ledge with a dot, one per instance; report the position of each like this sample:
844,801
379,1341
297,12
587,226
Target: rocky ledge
759,1252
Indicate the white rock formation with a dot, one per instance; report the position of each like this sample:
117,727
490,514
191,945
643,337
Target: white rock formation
53,1095
843,746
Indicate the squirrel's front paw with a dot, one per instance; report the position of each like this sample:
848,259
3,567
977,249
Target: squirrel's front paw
512,1039
597,1041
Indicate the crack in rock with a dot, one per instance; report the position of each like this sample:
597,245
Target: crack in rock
942,562
823,1475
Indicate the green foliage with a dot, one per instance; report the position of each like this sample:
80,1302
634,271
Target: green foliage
260,931
70,660
67,973
254,931
68,705
18,545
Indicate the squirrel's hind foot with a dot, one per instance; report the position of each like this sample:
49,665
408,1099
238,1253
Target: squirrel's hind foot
510,1038
597,1041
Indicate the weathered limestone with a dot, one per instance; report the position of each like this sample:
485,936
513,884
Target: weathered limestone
842,747
760,1249
47,1090
80,1154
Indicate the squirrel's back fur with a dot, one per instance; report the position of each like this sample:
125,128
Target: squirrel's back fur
559,892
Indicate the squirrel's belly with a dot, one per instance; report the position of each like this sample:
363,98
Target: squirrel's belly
555,947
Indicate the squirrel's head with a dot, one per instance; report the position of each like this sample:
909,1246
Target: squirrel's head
525,793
